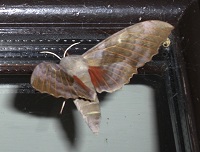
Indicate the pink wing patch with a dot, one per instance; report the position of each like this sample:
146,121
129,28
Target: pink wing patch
110,77
97,76
85,90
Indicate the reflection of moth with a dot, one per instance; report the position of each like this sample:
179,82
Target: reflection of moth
105,67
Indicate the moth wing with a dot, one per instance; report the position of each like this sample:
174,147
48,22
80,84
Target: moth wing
114,61
51,78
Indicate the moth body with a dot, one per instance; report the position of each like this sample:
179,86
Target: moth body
76,65
90,110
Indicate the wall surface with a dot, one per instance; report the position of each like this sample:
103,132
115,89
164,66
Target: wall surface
128,124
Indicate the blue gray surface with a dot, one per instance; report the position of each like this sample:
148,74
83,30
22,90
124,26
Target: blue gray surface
128,125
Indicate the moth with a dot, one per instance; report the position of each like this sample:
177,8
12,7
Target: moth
105,67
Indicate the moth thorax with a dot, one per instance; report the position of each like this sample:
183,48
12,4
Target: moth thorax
74,64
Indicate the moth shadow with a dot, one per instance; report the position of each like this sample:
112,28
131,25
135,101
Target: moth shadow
43,105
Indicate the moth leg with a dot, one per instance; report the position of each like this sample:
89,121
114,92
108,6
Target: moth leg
63,105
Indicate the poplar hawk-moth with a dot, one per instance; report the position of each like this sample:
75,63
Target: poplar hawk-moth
105,67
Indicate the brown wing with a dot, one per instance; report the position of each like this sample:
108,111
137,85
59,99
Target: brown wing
50,78
114,61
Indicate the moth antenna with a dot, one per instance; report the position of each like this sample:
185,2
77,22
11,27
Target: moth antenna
64,55
63,105
51,53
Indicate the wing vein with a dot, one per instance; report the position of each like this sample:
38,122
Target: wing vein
132,51
112,80
107,49
140,39
105,82
114,74
102,79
